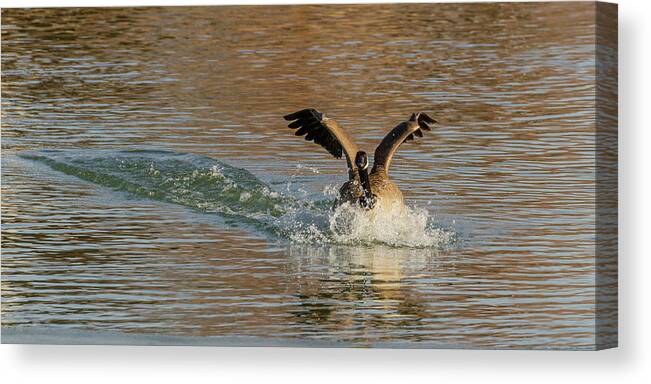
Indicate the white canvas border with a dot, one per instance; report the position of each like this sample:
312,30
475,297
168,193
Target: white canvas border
628,363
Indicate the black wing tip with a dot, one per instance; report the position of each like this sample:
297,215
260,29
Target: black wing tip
309,122
424,121
422,116
427,118
302,113
293,116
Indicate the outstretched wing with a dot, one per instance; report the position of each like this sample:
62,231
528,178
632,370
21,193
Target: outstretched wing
403,132
324,131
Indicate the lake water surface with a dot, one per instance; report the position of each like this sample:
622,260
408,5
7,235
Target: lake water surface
151,186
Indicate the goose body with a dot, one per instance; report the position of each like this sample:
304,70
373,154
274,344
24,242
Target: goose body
371,190
386,192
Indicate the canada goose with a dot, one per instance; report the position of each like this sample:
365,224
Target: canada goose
368,190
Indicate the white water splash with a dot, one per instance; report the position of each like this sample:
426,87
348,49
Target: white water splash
396,226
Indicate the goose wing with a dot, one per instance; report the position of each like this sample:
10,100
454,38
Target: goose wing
403,132
324,131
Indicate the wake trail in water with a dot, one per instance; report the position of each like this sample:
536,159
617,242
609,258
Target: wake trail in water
213,186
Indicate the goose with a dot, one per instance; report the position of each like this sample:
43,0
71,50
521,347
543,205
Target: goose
368,190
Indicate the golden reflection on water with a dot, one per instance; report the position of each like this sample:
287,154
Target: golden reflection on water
511,168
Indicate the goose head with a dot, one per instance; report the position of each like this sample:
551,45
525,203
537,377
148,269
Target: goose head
361,160
367,200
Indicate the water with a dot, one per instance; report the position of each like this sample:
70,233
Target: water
150,185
